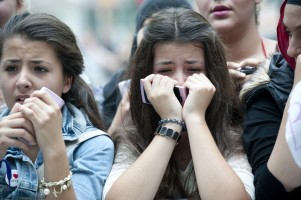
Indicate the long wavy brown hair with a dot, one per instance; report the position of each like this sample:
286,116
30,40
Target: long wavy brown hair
223,114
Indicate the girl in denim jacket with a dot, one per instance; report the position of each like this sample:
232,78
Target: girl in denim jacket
38,50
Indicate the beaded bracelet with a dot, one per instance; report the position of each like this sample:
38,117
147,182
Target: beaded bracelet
64,185
173,121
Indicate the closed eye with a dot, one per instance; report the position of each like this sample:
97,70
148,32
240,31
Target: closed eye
164,71
288,31
195,69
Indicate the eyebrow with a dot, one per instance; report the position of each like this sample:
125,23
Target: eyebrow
186,61
164,63
19,61
11,61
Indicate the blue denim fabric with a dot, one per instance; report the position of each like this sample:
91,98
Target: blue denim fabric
90,162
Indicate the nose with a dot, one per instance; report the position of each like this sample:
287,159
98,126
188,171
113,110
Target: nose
294,47
23,81
180,77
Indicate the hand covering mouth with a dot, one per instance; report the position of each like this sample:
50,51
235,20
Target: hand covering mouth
21,98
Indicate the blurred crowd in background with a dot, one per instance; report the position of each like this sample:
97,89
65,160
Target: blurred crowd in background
105,30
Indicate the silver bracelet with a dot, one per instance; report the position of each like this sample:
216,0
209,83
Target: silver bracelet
64,184
173,121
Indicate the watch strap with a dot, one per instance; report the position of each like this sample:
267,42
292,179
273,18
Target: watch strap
168,132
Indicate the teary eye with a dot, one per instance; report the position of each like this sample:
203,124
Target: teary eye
195,69
11,68
164,71
40,69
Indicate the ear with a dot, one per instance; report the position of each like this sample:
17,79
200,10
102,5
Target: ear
67,84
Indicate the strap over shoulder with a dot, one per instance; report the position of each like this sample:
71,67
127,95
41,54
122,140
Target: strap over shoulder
83,137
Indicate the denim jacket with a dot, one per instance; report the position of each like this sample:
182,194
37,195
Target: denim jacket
90,162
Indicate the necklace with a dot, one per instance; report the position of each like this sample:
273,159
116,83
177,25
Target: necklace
263,49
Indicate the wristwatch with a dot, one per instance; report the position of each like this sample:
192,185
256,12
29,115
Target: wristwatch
168,132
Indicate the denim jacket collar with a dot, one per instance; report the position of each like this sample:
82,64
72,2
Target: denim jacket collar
75,122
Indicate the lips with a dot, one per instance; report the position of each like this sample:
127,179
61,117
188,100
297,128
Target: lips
220,11
220,8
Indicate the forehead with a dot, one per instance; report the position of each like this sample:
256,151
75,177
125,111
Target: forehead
21,49
292,16
20,43
175,50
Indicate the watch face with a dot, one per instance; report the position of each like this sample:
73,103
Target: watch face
169,132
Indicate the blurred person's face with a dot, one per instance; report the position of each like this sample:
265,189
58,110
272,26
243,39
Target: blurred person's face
178,61
9,8
27,66
292,16
228,14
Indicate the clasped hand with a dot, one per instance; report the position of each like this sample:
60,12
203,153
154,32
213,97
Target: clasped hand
159,90
37,121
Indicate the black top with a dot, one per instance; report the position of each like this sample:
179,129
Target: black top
264,109
112,97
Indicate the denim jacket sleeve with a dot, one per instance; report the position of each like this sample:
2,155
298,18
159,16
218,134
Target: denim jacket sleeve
91,164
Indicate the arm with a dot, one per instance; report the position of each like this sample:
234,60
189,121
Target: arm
46,119
143,178
90,165
281,163
207,160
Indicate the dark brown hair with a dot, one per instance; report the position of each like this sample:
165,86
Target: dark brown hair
47,28
181,25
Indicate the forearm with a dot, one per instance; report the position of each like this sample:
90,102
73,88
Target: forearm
57,168
209,162
143,178
281,163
